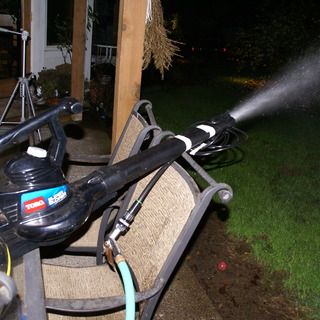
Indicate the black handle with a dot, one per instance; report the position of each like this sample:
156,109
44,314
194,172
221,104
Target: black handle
50,117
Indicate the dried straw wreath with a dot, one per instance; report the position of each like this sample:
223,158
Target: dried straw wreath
157,46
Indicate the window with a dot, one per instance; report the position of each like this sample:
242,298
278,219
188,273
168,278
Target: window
59,22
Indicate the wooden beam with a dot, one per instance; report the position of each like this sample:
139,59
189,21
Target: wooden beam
78,52
26,25
131,29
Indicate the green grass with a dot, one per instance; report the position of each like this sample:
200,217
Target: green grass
276,185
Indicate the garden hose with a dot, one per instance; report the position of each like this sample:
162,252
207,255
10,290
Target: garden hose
128,286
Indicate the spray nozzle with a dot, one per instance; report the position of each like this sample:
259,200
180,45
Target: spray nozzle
223,121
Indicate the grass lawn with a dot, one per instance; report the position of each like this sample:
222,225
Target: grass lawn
276,185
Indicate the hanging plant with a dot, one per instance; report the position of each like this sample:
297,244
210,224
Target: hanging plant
158,48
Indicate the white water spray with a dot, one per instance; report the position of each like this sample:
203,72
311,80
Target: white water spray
299,83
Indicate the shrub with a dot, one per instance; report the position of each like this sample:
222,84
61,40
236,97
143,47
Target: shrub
55,81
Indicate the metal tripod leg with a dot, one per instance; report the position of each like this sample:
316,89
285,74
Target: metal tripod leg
23,85
31,110
10,102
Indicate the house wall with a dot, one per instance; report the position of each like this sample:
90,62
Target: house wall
43,56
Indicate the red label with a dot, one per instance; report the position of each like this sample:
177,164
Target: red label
34,205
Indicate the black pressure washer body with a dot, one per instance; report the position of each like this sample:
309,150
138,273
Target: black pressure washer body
38,207
31,186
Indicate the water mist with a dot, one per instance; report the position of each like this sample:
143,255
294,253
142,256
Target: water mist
298,83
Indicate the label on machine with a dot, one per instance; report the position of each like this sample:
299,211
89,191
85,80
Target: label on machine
39,200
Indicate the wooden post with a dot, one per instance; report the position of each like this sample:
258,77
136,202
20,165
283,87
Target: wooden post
131,29
78,52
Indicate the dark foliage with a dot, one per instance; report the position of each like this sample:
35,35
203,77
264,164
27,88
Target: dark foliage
280,32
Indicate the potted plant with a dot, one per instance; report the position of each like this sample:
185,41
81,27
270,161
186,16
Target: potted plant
55,83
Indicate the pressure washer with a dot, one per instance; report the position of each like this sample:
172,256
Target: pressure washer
39,207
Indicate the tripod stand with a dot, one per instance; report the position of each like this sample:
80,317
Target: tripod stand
22,86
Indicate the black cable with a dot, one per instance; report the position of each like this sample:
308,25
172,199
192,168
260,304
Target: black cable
227,139
5,257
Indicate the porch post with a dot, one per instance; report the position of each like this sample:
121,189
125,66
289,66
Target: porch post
78,52
131,29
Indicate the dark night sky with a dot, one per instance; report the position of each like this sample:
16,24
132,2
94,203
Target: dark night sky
217,20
